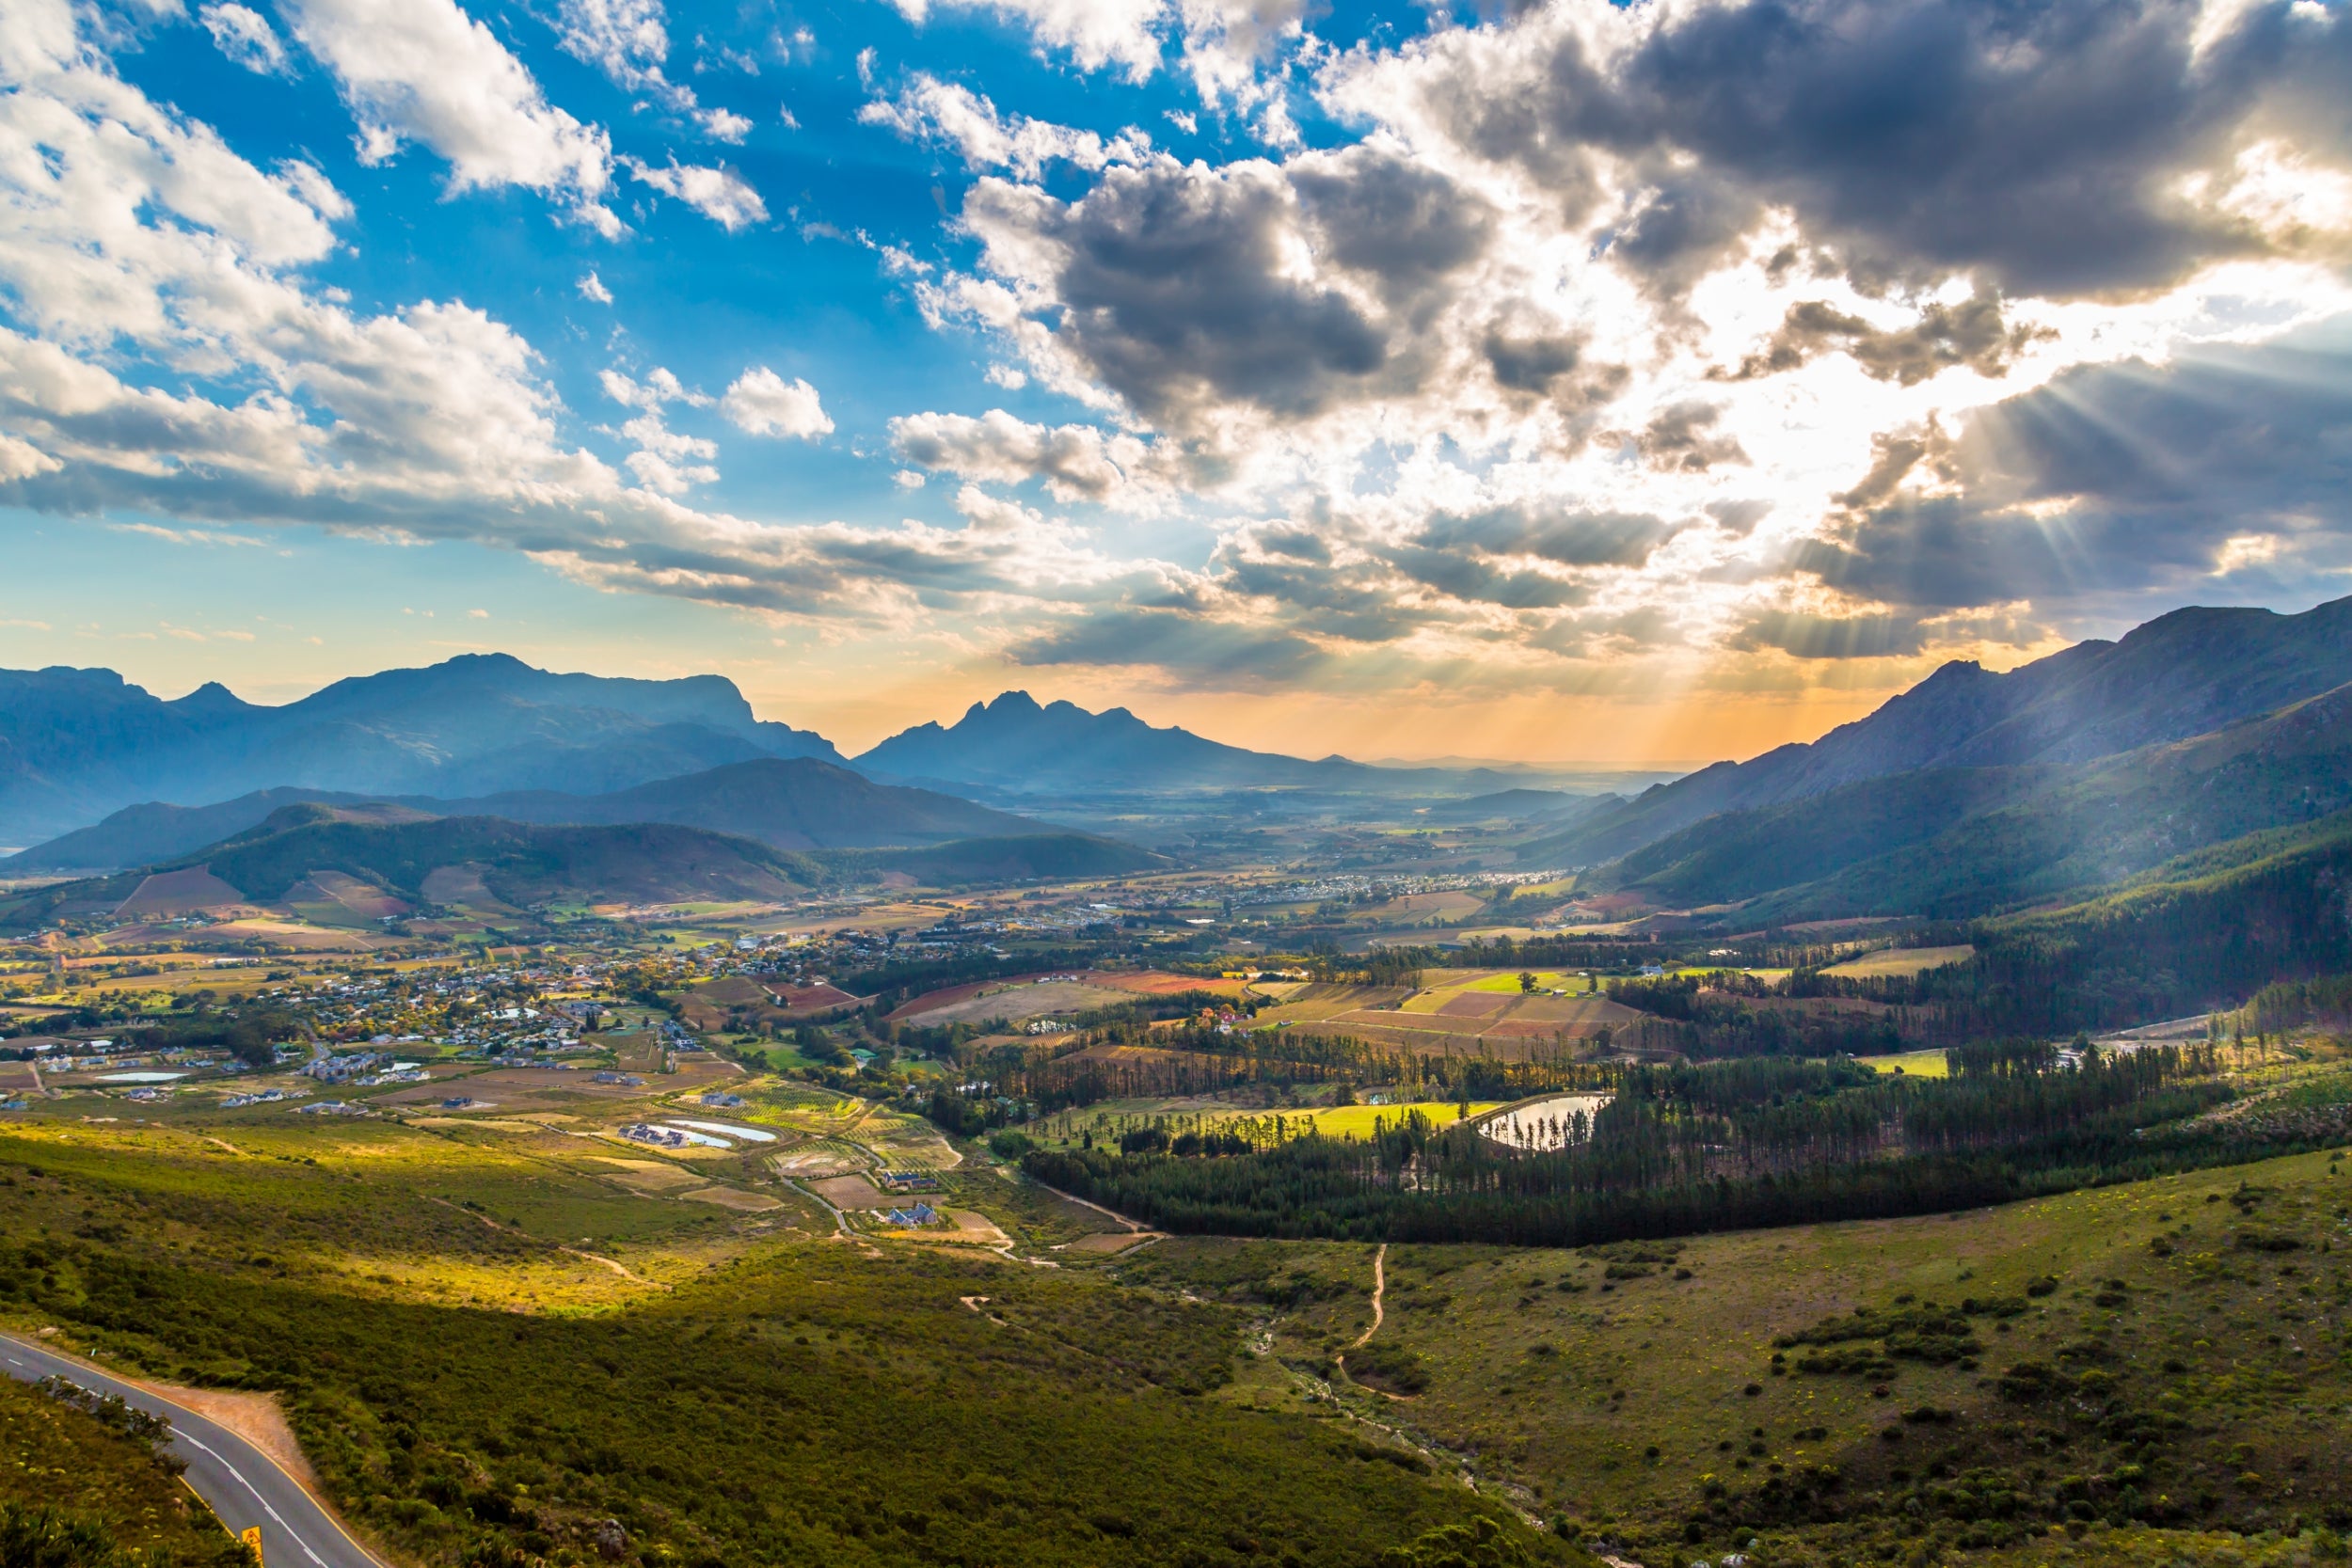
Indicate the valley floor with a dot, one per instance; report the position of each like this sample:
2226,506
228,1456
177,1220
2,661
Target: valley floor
510,1345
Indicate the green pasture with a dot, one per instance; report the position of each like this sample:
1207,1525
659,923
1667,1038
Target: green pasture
1916,1063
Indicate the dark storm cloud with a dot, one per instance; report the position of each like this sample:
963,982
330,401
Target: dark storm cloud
1190,646
1173,292
1475,580
2038,145
1176,290
2136,477
1683,438
1564,537
1973,333
1399,222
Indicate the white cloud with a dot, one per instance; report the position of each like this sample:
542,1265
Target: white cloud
1228,42
591,286
929,110
723,125
764,403
720,195
1606,336
1097,33
424,70
138,239
659,387
246,37
22,460
665,460
1076,462
627,39
630,41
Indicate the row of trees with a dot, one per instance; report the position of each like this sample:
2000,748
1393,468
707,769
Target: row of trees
1687,1147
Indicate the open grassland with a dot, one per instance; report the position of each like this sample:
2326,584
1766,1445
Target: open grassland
1901,960
1508,981
2113,1375
1916,1063
1356,1121
509,1216
1206,1114
794,1399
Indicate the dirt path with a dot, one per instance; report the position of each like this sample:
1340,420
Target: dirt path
841,1221
570,1252
1379,1288
1109,1215
615,1265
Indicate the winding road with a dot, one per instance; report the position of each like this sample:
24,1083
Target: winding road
243,1485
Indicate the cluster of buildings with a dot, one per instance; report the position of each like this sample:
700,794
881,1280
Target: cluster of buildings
1346,889
330,1068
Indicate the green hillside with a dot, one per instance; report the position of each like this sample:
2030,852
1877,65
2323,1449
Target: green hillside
524,864
1956,843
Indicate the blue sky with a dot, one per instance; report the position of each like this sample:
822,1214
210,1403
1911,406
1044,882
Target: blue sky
1564,380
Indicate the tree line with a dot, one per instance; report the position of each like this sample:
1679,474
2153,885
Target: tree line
1691,1147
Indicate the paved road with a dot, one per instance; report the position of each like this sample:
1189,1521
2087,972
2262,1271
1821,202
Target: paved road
243,1485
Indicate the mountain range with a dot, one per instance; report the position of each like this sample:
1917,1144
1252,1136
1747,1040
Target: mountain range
795,803
78,744
1975,792
1016,746
347,865
2189,672
488,731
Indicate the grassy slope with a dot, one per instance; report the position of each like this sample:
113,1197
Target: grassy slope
522,864
1962,842
804,1400
1566,1390
55,1457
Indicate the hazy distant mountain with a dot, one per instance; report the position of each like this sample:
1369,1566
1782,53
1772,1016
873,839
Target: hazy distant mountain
796,804
518,863
1958,842
2188,674
1016,746
153,831
315,850
77,744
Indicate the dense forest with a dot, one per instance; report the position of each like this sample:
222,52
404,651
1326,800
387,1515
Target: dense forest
2136,955
1704,1147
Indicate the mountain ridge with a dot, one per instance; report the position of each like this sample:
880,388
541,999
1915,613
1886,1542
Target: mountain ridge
305,846
2192,672
77,744
786,804
1014,744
